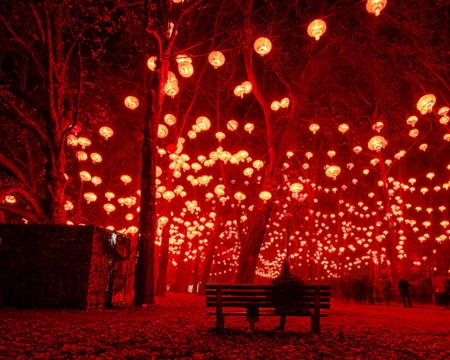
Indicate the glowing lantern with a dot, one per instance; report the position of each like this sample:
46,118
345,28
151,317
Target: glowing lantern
96,180
109,195
248,172
68,205
333,171
331,153
126,179
262,46
284,103
232,125
378,126
357,149
85,176
10,199
423,147
220,135
170,119
239,91
185,69
84,142
242,154
131,102
444,224
192,134
296,187
109,208
413,133
247,87
171,89
96,158
163,131
151,63
377,143
275,106
309,155
216,59
412,120
72,140
317,28
375,6
81,155
168,195
430,176
443,111
258,164
265,195
314,128
249,127
239,196
90,197
426,103
343,128
203,123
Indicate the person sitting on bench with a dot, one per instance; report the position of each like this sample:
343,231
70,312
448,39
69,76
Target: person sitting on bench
284,284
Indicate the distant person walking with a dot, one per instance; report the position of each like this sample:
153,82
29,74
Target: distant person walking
404,286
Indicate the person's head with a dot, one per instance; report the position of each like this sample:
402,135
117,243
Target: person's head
285,266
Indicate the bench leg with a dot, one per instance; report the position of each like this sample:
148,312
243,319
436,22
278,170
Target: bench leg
315,324
220,319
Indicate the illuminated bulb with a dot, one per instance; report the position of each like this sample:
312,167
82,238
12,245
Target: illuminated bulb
216,59
131,102
126,179
343,128
314,128
262,46
375,6
317,28
85,176
151,63
249,127
426,103
232,125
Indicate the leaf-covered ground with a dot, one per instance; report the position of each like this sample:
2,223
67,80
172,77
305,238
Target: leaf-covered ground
177,327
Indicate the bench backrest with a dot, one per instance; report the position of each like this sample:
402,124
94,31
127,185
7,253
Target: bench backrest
267,296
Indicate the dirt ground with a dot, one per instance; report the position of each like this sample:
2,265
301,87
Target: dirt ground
176,327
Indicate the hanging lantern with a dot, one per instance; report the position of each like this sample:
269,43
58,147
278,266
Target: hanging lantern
314,128
81,155
171,89
151,63
131,102
126,179
163,131
90,197
248,172
84,142
109,195
216,59
85,176
109,208
357,149
239,196
247,87
203,123
232,125
317,28
220,136
377,143
192,134
185,69
170,119
333,171
343,128
296,187
239,91
249,127
68,205
265,195
96,180
10,199
262,46
72,140
412,120
275,106
309,155
96,158
242,154
258,164
106,132
425,104
375,6
284,103
168,195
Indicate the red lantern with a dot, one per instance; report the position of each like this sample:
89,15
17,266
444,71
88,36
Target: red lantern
171,148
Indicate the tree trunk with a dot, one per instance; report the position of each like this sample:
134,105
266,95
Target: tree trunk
161,282
248,259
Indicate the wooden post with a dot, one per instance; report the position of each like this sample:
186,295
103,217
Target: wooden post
219,317
315,319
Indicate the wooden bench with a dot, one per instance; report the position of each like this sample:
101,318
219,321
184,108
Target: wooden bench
235,300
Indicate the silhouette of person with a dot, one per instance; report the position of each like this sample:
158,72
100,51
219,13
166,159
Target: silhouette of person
285,284
404,285
362,291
